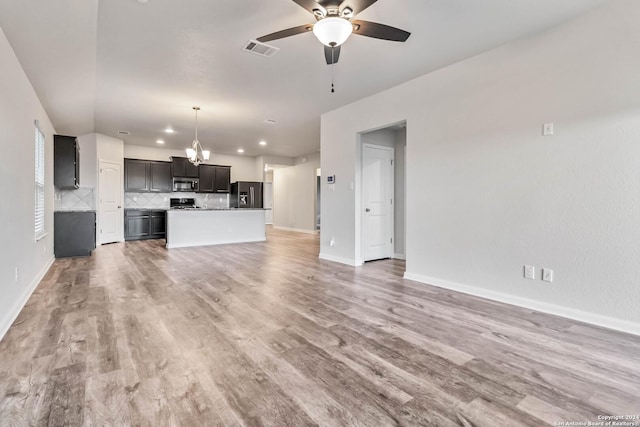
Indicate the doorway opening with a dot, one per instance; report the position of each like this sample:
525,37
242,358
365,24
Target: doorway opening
382,205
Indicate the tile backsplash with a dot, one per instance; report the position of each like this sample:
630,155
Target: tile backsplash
82,199
161,200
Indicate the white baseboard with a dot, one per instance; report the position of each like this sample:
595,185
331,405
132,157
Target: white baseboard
341,260
297,230
12,315
557,310
399,256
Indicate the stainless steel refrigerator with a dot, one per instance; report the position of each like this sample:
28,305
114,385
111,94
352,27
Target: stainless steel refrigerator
246,194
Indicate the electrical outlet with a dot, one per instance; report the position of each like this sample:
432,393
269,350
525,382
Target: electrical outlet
547,129
17,274
547,275
332,242
529,272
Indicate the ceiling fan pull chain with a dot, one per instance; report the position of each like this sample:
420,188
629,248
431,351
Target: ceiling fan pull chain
332,65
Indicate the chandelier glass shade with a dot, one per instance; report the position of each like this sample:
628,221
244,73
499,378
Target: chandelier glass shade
196,154
333,31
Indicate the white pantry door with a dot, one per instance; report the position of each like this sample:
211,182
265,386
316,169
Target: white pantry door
377,188
111,221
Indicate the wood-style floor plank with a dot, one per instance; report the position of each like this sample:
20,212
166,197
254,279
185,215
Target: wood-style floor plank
267,334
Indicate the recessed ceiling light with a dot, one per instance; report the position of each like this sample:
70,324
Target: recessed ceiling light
160,141
240,150
169,130
123,132
270,121
142,1
263,143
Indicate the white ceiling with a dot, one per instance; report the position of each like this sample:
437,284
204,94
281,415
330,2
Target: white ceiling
113,65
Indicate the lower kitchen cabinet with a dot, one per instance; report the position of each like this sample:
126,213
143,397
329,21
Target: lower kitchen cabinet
141,224
74,233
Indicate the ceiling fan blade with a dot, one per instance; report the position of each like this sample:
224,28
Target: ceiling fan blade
310,5
332,54
286,33
357,5
379,31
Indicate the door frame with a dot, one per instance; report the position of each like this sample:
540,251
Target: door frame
99,203
361,240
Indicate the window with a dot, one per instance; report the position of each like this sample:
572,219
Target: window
39,206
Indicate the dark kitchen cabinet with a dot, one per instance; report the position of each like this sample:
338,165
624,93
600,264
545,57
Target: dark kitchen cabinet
136,177
207,178
215,179
74,233
160,177
66,162
181,167
142,224
147,176
222,183
158,224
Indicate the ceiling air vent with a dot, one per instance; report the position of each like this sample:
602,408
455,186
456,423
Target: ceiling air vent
257,48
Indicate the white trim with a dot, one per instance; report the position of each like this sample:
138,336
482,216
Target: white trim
297,230
212,243
557,310
341,260
399,256
37,239
12,314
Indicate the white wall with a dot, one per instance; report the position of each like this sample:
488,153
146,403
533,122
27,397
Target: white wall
19,108
294,194
88,160
242,168
489,194
399,182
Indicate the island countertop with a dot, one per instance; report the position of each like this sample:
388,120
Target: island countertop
211,226
216,209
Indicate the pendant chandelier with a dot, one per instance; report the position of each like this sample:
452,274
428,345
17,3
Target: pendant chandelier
196,154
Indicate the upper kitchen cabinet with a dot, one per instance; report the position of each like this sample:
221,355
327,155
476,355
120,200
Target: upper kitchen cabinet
136,177
160,177
66,162
181,167
215,179
222,183
147,176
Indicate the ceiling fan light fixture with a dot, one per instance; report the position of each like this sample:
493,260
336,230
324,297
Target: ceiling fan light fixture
332,31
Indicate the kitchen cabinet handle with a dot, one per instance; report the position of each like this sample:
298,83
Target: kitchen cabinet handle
367,210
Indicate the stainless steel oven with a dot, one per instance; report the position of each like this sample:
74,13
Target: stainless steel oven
185,184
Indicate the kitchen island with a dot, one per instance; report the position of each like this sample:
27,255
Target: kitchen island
201,227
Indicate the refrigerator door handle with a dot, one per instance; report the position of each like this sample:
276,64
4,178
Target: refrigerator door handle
252,199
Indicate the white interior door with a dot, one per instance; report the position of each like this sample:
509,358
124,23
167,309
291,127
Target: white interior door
267,194
111,222
377,190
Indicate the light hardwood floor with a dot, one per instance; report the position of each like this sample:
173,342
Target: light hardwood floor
268,334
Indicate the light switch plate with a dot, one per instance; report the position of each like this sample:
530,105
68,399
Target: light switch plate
529,272
547,129
547,275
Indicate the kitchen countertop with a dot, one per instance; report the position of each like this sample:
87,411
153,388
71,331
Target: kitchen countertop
75,210
217,209
145,209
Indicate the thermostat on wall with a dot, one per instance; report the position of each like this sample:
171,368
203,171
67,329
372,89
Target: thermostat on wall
331,179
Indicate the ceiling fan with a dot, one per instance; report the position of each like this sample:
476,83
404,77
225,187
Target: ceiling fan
335,24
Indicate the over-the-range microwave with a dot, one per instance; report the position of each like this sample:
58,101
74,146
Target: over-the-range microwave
185,184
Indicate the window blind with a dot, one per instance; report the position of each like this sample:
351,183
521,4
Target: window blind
39,180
